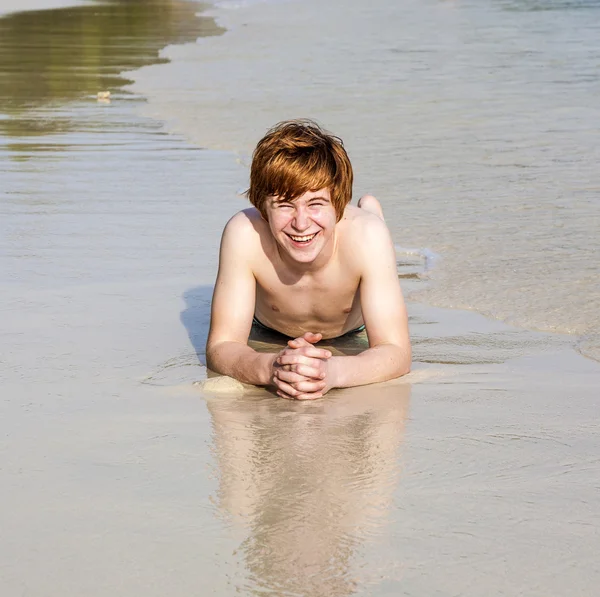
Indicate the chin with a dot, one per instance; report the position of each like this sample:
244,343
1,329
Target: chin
303,257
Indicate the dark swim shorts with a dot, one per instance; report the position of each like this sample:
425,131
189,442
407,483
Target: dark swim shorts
265,328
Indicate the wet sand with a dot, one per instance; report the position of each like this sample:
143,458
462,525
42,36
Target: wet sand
476,474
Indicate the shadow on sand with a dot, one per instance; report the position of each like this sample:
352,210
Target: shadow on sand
196,318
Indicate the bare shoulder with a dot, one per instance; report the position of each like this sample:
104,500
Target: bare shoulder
243,232
246,222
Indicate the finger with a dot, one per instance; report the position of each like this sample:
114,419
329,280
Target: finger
308,351
312,351
289,376
300,396
285,387
298,343
284,395
314,371
308,371
305,386
309,396
298,359
312,337
308,339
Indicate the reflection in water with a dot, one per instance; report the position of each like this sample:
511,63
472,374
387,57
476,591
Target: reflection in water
49,57
311,482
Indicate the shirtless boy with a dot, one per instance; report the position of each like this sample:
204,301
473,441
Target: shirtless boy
305,263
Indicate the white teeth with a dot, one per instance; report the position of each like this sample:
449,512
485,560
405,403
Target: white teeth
303,239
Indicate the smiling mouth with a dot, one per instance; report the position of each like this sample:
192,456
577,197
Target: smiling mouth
303,239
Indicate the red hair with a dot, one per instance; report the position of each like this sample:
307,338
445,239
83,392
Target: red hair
297,156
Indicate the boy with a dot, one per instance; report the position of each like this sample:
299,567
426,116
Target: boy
305,263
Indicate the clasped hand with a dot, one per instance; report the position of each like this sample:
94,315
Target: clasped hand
301,371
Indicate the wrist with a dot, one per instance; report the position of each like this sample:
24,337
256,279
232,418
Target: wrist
267,362
336,373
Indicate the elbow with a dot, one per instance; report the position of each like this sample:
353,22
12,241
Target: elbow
210,364
404,363
398,361
403,368
212,359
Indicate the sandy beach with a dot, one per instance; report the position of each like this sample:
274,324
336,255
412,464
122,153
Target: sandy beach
124,473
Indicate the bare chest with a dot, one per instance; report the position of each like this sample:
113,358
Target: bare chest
327,303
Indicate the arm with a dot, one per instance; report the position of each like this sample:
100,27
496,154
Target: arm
232,309
386,320
384,314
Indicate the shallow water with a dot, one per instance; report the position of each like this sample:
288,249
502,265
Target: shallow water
51,57
476,123
476,474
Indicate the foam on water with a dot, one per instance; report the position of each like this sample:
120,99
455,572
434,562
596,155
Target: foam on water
476,123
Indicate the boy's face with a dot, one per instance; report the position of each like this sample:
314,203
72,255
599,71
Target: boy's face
304,226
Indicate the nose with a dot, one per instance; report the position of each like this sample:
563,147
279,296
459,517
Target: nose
301,222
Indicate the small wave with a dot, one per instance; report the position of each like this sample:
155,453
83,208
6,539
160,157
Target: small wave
414,263
428,256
